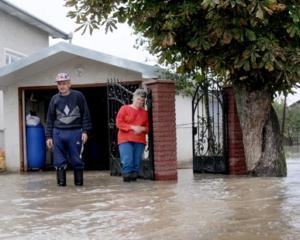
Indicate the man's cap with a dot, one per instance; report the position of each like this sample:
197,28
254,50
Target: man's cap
62,77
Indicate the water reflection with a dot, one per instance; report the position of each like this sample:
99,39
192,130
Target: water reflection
200,206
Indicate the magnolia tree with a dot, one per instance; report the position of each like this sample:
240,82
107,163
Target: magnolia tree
254,45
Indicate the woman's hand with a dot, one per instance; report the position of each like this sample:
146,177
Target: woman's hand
138,129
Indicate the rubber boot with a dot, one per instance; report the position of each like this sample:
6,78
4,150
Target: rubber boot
78,177
126,178
61,177
133,176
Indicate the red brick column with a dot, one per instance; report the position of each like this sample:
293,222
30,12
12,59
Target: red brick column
236,155
164,129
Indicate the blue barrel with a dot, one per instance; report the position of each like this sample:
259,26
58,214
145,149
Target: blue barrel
36,147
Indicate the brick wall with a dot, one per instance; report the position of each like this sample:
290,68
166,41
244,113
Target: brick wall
236,155
164,129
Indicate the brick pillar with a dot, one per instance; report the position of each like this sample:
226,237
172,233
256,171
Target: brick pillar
164,129
236,155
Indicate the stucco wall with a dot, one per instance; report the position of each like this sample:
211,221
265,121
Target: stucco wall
19,36
184,131
1,139
82,71
1,111
11,129
1,121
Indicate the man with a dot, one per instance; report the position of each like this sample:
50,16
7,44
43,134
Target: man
68,124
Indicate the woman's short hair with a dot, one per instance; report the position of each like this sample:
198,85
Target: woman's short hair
140,93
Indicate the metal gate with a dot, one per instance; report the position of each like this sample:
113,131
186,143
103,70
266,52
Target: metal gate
119,94
209,121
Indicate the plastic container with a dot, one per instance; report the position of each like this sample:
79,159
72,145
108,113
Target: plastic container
36,147
2,160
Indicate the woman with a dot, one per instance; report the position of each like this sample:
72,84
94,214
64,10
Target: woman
132,122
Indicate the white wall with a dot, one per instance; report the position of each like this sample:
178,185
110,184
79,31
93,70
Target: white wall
11,132
90,72
20,37
1,111
1,121
183,107
82,71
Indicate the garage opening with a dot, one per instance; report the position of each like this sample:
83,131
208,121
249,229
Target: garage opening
96,149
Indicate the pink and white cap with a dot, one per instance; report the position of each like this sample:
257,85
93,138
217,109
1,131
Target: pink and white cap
62,77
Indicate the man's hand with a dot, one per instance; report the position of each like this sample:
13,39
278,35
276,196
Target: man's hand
84,137
49,143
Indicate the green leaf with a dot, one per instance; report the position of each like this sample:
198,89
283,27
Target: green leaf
227,37
253,58
91,29
259,12
246,66
80,27
250,35
269,66
205,45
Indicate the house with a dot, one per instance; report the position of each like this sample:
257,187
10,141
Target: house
28,84
27,72
28,67
21,35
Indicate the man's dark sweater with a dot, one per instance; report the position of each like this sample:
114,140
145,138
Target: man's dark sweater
68,112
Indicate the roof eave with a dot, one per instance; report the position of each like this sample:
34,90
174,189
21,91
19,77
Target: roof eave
13,10
147,71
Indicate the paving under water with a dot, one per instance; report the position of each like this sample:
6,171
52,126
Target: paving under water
201,206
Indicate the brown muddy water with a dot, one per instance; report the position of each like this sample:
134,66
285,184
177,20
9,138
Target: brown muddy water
202,206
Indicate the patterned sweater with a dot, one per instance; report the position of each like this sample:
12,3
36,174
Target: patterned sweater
67,112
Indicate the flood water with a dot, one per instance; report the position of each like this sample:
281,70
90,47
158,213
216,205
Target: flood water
201,206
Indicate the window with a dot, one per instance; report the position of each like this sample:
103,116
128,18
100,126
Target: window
11,56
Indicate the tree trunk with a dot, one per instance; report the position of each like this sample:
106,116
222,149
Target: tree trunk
261,133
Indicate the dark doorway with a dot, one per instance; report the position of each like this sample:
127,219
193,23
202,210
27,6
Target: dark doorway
96,149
